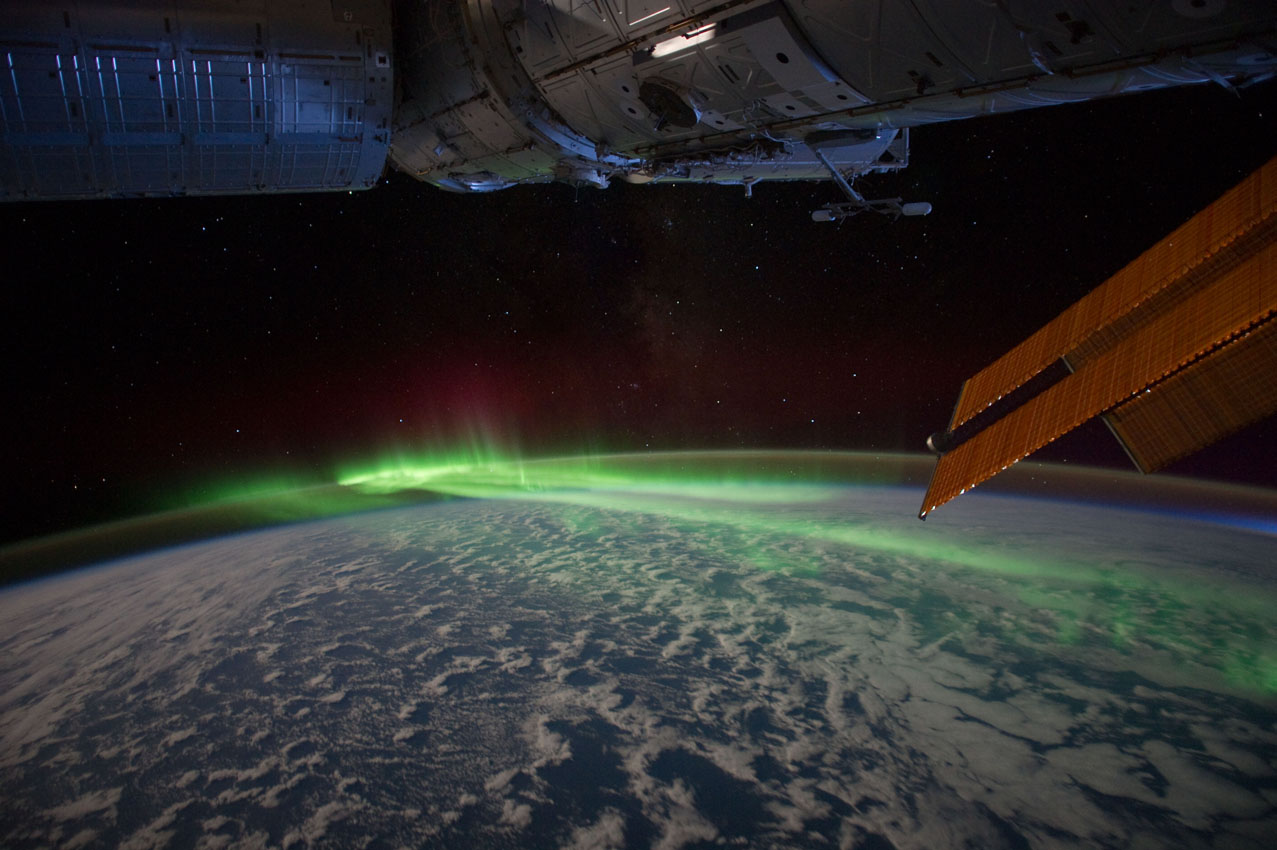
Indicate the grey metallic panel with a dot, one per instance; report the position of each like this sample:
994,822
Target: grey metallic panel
193,98
120,97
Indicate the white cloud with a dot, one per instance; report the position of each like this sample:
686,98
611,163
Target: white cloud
607,833
515,814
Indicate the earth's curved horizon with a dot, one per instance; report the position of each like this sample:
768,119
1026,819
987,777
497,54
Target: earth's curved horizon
209,517
649,660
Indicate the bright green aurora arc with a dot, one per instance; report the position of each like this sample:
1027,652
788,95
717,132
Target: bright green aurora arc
770,510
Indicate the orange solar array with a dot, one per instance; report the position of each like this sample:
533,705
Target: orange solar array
1206,402
1184,331
1172,260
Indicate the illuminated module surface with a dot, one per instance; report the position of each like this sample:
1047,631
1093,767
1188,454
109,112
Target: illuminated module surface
674,651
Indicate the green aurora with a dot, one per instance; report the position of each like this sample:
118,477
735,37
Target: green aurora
1226,627
753,502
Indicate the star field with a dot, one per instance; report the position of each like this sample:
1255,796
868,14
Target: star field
158,344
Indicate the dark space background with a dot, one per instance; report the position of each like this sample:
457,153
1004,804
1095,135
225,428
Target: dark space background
154,347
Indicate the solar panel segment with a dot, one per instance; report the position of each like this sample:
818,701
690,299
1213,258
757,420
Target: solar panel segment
1175,351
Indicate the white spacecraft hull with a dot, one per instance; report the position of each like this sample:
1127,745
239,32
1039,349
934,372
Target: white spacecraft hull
165,97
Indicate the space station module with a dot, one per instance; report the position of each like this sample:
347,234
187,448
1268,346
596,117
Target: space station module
124,98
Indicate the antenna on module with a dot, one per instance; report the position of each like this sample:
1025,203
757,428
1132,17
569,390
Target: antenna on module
857,203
